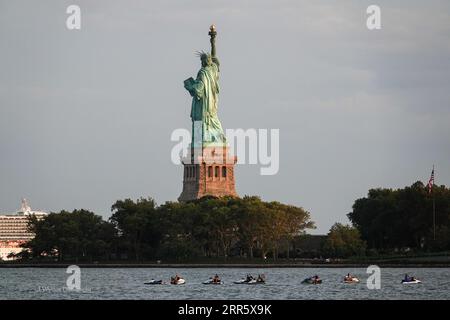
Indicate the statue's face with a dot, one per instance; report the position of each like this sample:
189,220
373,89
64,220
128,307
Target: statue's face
205,60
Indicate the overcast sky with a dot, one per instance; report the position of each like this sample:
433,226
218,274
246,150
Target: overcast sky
86,116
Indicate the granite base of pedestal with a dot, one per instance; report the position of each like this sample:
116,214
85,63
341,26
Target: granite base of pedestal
208,171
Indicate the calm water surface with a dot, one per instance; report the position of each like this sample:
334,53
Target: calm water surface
282,283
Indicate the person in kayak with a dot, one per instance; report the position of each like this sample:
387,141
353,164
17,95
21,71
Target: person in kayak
248,278
216,279
315,279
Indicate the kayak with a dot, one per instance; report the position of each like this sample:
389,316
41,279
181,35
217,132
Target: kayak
210,281
351,280
179,281
251,281
242,281
311,281
154,282
255,281
411,281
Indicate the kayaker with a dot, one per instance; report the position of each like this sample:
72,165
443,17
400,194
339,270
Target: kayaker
316,279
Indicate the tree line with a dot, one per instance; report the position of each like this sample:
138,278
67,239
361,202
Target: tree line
393,221
174,231
384,221
403,218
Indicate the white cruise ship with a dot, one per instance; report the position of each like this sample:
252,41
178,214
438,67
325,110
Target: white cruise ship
14,230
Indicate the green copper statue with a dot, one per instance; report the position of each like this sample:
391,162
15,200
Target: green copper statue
205,96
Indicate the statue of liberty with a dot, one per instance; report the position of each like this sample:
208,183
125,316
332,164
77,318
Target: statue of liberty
208,167
205,95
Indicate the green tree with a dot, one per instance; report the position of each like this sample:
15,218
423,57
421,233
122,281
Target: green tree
76,235
208,227
394,219
138,226
343,241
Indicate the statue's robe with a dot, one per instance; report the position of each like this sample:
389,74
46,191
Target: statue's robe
205,93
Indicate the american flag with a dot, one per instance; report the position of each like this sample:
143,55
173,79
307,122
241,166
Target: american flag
431,181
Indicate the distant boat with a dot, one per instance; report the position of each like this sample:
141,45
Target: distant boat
211,281
351,279
251,280
154,282
312,280
177,280
410,280
257,281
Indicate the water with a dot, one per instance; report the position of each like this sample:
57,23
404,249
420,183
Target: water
282,283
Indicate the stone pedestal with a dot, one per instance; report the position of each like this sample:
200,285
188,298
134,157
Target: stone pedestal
208,171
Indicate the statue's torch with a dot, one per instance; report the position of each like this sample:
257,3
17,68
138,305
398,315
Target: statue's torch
212,33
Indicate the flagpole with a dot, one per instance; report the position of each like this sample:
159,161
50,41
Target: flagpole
434,210
434,219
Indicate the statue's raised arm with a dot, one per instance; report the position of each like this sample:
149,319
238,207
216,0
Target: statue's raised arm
212,33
